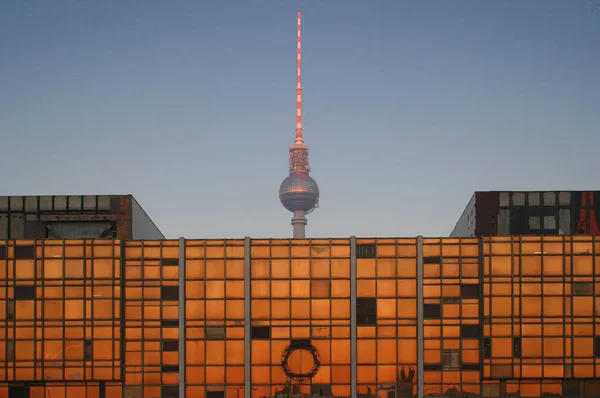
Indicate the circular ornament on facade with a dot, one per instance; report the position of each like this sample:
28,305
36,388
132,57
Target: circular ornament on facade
304,346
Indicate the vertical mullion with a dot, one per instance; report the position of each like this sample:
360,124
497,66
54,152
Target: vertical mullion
310,295
291,296
124,322
92,319
85,306
247,321
481,310
460,308
36,321
396,325
564,304
541,297
64,302
115,320
375,321
595,314
143,316
520,278
271,309
6,296
441,320
14,326
420,334
572,318
353,344
204,310
123,304
331,247
225,340
161,305
182,328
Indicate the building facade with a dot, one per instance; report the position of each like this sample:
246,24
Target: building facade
75,217
494,316
530,213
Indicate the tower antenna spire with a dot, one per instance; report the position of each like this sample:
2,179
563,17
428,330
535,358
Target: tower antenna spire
299,138
299,193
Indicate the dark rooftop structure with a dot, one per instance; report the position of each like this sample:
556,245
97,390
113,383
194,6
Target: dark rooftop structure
75,217
504,213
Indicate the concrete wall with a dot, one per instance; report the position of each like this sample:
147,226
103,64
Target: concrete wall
465,227
142,225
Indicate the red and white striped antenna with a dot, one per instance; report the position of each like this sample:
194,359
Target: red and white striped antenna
299,138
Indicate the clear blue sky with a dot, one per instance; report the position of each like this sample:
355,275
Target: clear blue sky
409,107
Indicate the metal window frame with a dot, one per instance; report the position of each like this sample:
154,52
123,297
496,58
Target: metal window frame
420,324
353,334
247,319
182,328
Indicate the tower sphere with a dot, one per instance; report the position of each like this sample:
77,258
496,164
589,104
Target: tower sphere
299,192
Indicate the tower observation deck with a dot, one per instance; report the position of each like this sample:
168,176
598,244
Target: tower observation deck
299,192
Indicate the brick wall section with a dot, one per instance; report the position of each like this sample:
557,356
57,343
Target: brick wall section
124,221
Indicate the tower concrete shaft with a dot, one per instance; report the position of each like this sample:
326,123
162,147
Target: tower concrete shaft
299,224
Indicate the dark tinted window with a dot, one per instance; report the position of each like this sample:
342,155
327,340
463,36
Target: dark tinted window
170,368
469,331
321,390
451,359
533,220
170,345
24,252
10,350
24,292
214,333
469,291
516,347
366,320
432,311
582,289
487,347
2,252
571,388
592,387
88,350
303,342
366,306
170,261
366,311
10,310
261,332
451,300
366,251
170,392
169,293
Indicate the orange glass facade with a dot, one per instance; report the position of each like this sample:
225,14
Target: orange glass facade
61,319
332,317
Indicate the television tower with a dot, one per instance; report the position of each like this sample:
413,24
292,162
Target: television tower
299,193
